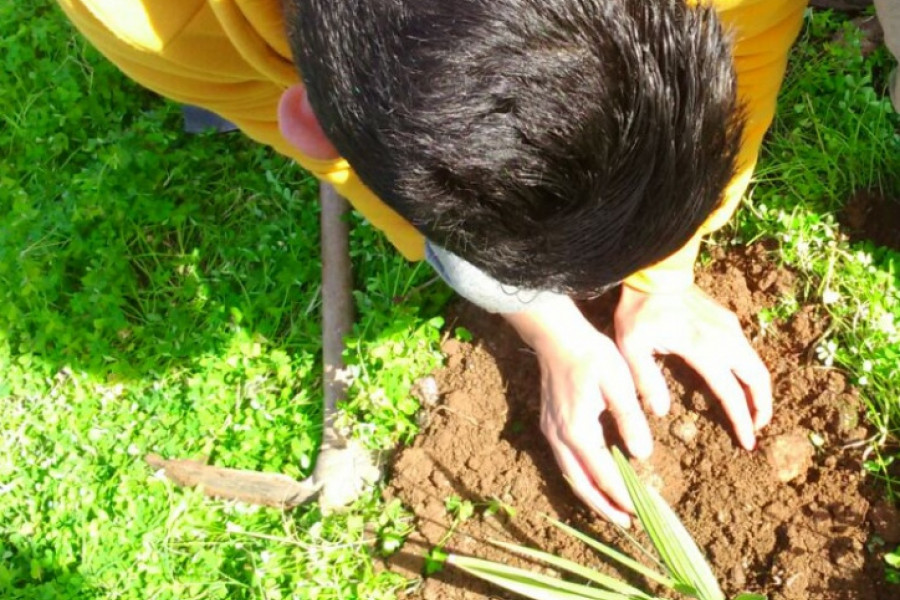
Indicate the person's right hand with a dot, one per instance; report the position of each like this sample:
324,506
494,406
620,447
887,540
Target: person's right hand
583,375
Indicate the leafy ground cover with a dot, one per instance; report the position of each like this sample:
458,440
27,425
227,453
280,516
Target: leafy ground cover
159,292
836,137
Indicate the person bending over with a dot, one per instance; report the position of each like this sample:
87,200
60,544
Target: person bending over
535,152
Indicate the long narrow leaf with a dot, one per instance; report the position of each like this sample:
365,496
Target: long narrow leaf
527,583
617,556
650,556
676,548
529,590
573,567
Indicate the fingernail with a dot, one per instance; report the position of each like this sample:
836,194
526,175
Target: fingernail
642,450
661,406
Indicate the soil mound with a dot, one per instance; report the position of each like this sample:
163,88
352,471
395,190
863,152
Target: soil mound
793,519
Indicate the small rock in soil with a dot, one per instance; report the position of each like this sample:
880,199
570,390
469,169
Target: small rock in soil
425,390
885,519
790,455
685,428
705,466
767,280
699,403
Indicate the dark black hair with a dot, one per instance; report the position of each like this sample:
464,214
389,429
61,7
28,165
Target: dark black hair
555,144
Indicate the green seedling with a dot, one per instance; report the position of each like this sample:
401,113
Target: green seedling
682,567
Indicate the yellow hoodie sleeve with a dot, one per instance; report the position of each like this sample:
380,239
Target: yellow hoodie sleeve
764,31
230,57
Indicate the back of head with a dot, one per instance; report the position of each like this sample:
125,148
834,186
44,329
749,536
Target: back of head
555,144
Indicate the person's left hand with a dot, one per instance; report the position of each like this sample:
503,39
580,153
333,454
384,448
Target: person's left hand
709,338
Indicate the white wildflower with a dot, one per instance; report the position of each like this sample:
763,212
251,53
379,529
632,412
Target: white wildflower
830,296
379,398
885,324
826,353
232,527
348,374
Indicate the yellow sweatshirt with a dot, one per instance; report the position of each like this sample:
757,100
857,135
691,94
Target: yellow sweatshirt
232,57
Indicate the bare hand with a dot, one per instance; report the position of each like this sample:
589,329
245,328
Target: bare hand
582,375
709,338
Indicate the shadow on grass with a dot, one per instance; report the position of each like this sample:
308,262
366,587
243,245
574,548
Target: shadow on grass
26,575
129,248
137,268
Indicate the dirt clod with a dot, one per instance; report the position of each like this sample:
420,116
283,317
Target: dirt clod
425,390
685,429
790,455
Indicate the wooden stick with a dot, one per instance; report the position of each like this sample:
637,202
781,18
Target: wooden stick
337,300
252,487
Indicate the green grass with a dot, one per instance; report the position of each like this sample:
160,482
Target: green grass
159,292
836,133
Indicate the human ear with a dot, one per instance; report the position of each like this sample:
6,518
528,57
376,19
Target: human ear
300,127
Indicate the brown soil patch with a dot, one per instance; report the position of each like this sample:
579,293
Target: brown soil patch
871,216
807,537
